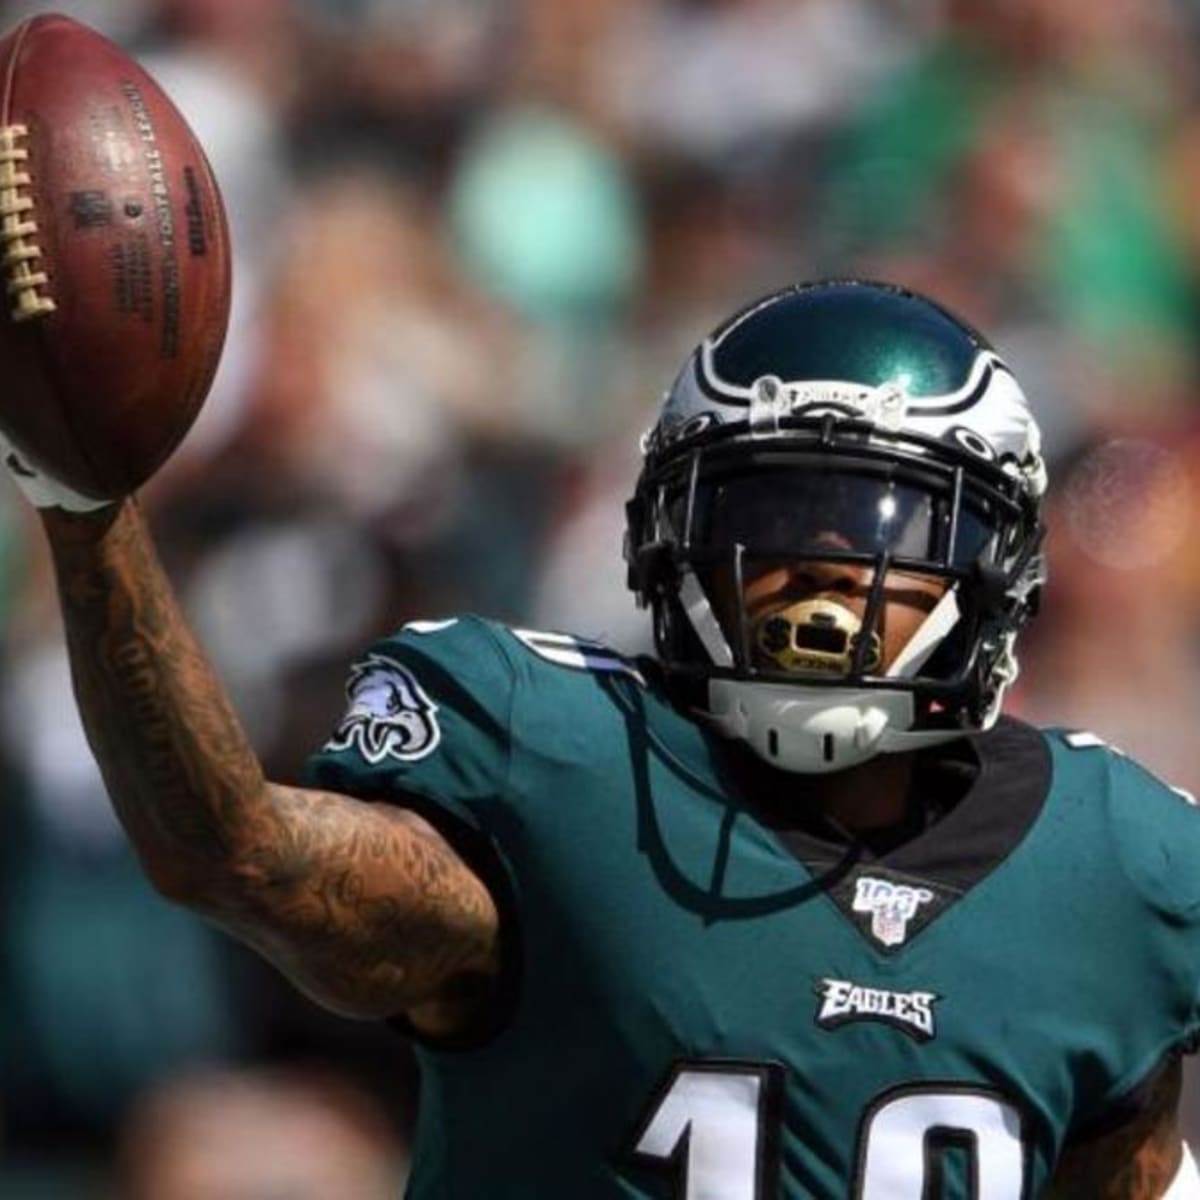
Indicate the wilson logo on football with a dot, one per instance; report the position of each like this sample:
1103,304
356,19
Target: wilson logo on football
389,715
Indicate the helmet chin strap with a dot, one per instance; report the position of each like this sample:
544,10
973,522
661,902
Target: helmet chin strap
930,634
817,730
704,621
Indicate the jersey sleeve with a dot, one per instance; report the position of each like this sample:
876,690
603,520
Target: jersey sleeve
1156,829
428,715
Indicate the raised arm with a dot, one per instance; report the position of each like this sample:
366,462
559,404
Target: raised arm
1141,1160
363,905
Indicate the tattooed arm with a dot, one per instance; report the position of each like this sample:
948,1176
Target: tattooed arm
364,906
1138,1161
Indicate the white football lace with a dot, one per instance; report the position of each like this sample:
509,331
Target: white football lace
18,230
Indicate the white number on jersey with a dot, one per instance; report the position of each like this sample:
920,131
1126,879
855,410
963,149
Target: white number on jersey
713,1116
716,1125
905,1131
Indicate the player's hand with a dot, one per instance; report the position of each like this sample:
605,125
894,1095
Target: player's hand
40,489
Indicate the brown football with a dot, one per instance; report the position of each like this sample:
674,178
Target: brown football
114,254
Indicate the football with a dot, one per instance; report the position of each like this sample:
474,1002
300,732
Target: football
115,258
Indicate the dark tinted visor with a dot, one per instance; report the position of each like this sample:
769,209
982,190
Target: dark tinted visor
786,512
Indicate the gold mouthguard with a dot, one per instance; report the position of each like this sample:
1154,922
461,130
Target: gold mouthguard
813,636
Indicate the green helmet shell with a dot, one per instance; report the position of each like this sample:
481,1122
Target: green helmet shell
869,333
857,349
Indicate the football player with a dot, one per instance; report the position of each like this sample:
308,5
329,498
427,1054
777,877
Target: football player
790,911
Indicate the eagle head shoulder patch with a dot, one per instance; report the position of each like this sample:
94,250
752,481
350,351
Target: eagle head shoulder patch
389,714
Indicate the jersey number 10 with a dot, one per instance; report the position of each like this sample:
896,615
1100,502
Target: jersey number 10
717,1124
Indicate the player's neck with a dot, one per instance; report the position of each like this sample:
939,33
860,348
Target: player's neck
870,797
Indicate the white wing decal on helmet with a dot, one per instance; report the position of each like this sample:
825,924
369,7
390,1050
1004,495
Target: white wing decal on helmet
988,415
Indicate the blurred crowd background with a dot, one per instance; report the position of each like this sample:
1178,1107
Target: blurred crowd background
474,239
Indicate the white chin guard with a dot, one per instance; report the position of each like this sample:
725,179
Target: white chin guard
815,731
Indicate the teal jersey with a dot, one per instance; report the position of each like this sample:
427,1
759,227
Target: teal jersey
709,1009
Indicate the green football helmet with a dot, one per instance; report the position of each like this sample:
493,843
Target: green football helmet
840,422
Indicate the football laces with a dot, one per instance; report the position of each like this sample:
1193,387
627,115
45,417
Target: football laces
25,284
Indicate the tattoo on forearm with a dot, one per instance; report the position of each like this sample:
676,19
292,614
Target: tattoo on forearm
171,750
319,863
1137,1161
362,904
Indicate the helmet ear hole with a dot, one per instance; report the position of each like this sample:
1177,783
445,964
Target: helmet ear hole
652,569
991,588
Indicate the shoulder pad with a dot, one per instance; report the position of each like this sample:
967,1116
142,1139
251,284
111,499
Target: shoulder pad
1154,827
428,710
577,653
1084,739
